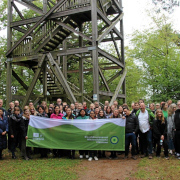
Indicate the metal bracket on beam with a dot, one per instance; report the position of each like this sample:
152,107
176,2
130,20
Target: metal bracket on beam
91,48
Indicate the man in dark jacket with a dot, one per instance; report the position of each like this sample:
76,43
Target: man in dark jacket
130,130
177,130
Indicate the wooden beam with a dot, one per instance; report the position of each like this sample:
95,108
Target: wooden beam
60,77
110,57
35,26
73,30
31,6
90,69
118,87
8,82
19,13
95,50
111,94
19,80
111,79
116,47
20,29
73,51
104,79
65,60
117,6
108,22
53,16
33,83
100,38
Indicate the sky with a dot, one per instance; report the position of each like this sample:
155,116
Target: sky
136,16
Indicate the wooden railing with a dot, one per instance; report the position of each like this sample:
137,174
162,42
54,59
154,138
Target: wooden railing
45,29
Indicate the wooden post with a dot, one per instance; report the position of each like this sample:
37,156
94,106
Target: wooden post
81,67
122,53
45,81
9,63
95,50
65,60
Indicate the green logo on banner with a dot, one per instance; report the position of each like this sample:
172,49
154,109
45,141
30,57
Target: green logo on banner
114,139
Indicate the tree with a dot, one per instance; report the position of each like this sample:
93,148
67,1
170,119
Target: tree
157,50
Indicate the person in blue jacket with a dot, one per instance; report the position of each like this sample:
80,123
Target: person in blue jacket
3,131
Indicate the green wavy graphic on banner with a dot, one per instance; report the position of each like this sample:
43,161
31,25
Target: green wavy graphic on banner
107,137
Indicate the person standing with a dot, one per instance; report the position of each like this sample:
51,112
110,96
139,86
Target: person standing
3,131
131,129
171,127
83,115
177,130
92,152
14,130
24,128
145,118
160,133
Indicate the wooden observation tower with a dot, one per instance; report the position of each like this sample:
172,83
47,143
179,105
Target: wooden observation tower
66,33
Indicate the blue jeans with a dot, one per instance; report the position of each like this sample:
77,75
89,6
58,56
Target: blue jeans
146,140
130,138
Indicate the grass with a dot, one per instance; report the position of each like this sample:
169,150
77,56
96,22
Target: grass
158,168
50,168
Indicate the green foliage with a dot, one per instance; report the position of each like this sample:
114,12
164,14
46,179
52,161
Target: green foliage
158,53
3,15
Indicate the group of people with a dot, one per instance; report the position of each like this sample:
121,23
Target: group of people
147,129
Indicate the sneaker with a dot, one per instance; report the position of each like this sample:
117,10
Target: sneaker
150,156
166,157
87,156
81,156
170,152
95,158
90,159
134,157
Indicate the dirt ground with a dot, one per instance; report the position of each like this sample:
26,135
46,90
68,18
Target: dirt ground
107,169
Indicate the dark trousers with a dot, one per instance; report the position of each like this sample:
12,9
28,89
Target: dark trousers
25,150
177,141
14,142
0,153
146,142
91,153
82,152
113,154
71,153
130,138
165,146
